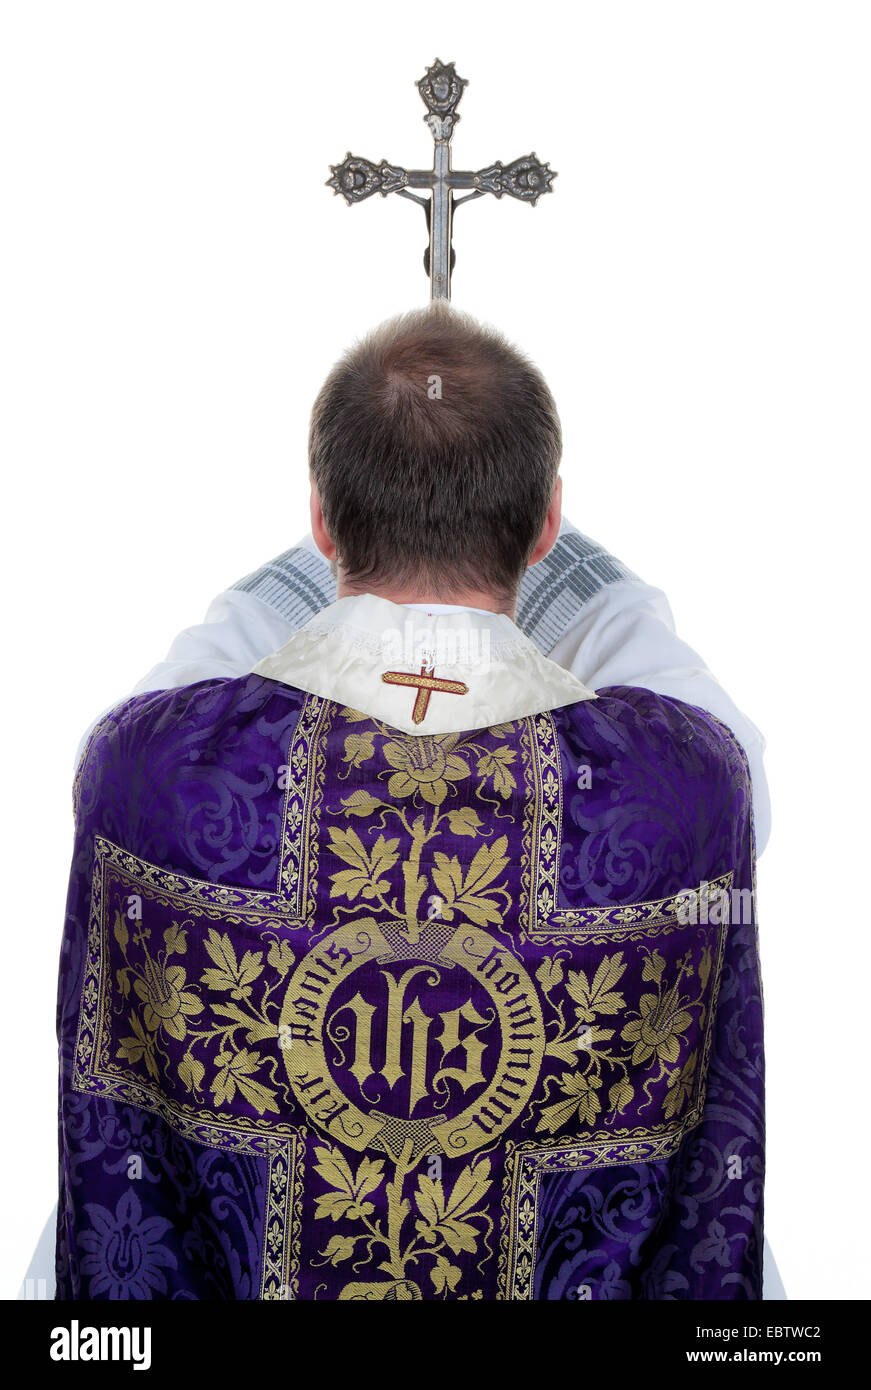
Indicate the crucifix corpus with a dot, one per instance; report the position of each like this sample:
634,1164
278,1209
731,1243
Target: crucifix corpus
356,179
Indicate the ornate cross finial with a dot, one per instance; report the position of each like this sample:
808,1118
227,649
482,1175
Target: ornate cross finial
527,178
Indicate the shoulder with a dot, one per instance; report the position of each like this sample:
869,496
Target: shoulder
164,728
192,777
636,725
656,794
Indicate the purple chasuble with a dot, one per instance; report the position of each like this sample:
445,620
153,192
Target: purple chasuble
347,1013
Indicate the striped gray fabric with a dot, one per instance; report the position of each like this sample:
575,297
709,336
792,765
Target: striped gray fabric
553,591
298,584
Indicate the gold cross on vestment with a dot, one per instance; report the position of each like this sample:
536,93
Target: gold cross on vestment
425,684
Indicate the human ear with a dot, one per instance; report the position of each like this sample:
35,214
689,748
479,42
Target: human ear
320,535
550,530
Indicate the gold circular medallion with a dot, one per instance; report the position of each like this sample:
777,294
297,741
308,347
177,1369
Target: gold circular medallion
374,1000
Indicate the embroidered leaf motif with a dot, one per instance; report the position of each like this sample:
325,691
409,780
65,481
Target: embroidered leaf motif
680,1085
360,803
139,1047
383,856
237,976
442,1217
569,1047
464,822
348,846
238,1070
566,1049
256,1030
347,1198
579,1099
175,940
621,1094
133,1048
364,875
359,747
444,1275
339,1248
494,765
470,894
600,997
334,1168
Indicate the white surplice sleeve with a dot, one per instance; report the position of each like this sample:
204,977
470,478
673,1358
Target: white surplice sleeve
625,636
249,621
588,612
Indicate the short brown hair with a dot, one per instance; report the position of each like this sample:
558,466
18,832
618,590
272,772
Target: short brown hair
448,491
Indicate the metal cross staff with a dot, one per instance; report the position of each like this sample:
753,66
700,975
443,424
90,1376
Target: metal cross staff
356,179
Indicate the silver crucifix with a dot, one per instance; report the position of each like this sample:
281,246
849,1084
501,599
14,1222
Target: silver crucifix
356,179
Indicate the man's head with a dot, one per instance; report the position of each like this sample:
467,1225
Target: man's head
434,451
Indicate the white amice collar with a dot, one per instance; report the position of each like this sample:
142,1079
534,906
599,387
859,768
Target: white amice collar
422,668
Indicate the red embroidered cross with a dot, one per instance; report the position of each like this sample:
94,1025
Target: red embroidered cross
425,684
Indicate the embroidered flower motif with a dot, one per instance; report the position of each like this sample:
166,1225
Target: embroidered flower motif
167,1003
424,764
123,1255
656,1032
549,973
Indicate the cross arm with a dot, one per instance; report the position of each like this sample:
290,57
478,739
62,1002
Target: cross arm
526,178
356,179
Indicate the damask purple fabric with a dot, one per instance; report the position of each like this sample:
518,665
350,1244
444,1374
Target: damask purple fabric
350,1014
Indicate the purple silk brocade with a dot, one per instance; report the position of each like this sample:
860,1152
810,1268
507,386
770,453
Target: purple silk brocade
348,1014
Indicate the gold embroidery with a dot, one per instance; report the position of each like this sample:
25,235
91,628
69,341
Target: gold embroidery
306,761
305,1021
525,1165
446,1223
253,1025
646,1058
279,1275
540,917
424,683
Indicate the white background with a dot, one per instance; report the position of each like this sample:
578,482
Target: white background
176,281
